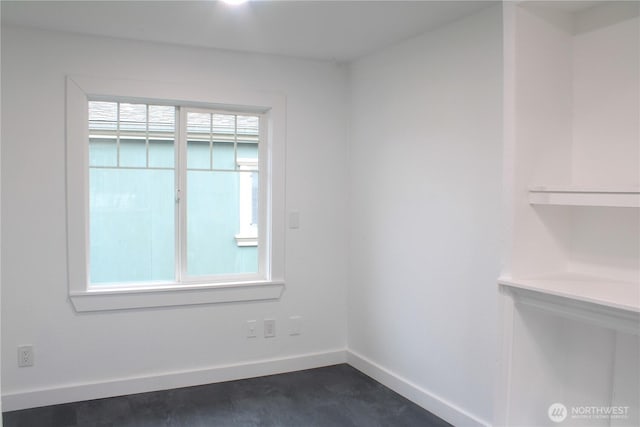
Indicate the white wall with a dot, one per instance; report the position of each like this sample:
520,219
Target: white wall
74,349
425,165
605,101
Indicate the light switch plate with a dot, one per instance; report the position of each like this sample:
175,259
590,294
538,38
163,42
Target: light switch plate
294,219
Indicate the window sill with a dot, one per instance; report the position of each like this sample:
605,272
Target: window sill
135,298
246,240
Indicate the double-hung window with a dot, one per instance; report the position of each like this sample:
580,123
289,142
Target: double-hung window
179,202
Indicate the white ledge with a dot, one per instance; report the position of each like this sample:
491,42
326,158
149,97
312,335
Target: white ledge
624,197
611,304
246,240
136,298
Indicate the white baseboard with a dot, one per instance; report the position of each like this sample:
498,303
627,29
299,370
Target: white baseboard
97,390
426,399
165,381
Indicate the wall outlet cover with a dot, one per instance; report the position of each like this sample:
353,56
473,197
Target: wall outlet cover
269,328
25,356
251,329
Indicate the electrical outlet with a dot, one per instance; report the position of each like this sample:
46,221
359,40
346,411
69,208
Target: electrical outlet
251,328
25,356
269,328
295,325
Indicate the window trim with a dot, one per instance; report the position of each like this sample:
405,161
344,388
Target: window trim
210,95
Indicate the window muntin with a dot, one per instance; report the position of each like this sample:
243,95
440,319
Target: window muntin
154,219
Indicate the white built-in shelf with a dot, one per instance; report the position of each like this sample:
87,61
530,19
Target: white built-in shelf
610,293
609,303
624,197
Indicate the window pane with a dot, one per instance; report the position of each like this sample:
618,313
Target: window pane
103,111
133,153
131,225
161,153
198,155
224,126
248,151
248,128
199,124
103,152
213,220
223,155
133,112
162,118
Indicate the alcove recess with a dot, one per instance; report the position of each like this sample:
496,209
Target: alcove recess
571,281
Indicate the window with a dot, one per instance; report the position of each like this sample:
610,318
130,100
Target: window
172,200
136,233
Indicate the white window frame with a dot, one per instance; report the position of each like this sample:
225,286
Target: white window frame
267,285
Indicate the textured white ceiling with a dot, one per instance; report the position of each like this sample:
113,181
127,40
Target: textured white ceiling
326,30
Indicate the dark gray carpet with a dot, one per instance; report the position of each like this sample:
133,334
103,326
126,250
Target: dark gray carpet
332,396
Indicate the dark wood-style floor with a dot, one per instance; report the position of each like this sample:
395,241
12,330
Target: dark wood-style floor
329,397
